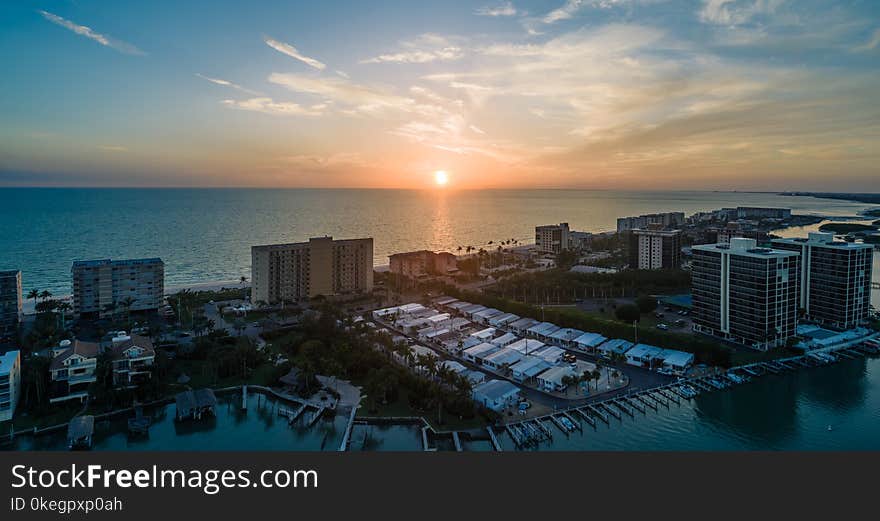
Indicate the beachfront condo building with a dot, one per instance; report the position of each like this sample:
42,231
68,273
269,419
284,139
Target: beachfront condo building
10,302
104,287
10,383
552,238
303,270
835,279
663,220
655,248
420,264
745,294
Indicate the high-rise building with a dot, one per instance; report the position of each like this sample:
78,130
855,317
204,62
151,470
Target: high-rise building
303,270
424,263
835,279
664,220
102,287
745,294
10,302
552,238
654,249
10,383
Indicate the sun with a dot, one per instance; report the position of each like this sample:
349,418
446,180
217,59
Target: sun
440,178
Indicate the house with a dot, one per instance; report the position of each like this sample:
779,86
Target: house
528,368
550,354
615,347
459,323
565,337
676,361
503,319
479,352
444,301
475,377
505,339
643,355
496,395
458,306
471,310
588,341
502,359
551,379
72,370
526,346
434,334
454,366
484,316
485,335
522,325
133,358
542,331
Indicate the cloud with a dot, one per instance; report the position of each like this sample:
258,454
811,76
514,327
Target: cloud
871,44
736,12
563,13
82,30
425,49
502,9
290,50
226,83
278,108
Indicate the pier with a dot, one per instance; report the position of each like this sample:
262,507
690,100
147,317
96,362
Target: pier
493,439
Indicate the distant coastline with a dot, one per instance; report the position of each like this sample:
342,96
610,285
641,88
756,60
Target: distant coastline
855,197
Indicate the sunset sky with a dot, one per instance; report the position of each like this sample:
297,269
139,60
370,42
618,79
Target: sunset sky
605,94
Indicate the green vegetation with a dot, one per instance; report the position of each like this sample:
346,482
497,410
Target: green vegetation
561,286
705,350
847,227
628,313
646,303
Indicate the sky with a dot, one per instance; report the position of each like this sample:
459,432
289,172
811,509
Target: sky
593,94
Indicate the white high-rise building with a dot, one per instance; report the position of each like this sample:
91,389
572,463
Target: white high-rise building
10,383
552,238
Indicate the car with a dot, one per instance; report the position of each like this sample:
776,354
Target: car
662,327
255,324
524,405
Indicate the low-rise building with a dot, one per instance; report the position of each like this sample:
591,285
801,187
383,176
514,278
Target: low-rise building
479,352
133,357
678,362
522,325
528,368
526,346
496,395
10,383
421,264
614,347
552,379
589,341
644,355
502,359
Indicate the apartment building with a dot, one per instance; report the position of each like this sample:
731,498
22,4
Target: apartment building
321,266
424,263
663,220
835,279
654,249
552,238
745,294
101,287
72,370
10,302
10,383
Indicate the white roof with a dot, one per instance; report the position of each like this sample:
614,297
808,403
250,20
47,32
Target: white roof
523,323
504,318
617,345
505,339
459,305
411,308
475,377
439,318
444,300
550,353
496,390
556,374
565,334
473,308
489,332
676,358
526,345
644,351
489,313
460,321
422,350
481,350
504,356
7,360
454,366
529,366
590,339
441,331
543,327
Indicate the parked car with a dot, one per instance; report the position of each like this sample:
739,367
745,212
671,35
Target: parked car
662,327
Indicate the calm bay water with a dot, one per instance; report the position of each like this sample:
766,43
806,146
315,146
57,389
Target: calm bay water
205,235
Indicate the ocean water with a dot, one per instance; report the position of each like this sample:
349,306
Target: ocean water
205,235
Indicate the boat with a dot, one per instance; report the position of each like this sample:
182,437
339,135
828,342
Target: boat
565,421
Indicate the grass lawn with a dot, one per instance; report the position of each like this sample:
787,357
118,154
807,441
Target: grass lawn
57,415
199,374
400,407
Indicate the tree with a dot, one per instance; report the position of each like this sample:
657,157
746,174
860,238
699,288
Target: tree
126,304
34,294
45,294
646,303
627,313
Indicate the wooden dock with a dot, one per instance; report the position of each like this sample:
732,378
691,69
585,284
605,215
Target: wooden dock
493,439
456,440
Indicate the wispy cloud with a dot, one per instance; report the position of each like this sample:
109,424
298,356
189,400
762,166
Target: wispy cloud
872,43
425,49
736,12
278,108
226,83
563,13
290,50
502,9
82,30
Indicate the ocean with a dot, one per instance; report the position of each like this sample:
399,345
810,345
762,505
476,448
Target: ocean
205,235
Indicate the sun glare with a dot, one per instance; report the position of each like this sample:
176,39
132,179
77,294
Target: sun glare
440,178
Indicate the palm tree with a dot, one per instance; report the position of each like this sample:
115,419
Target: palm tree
63,308
34,294
243,279
126,304
45,294
110,308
